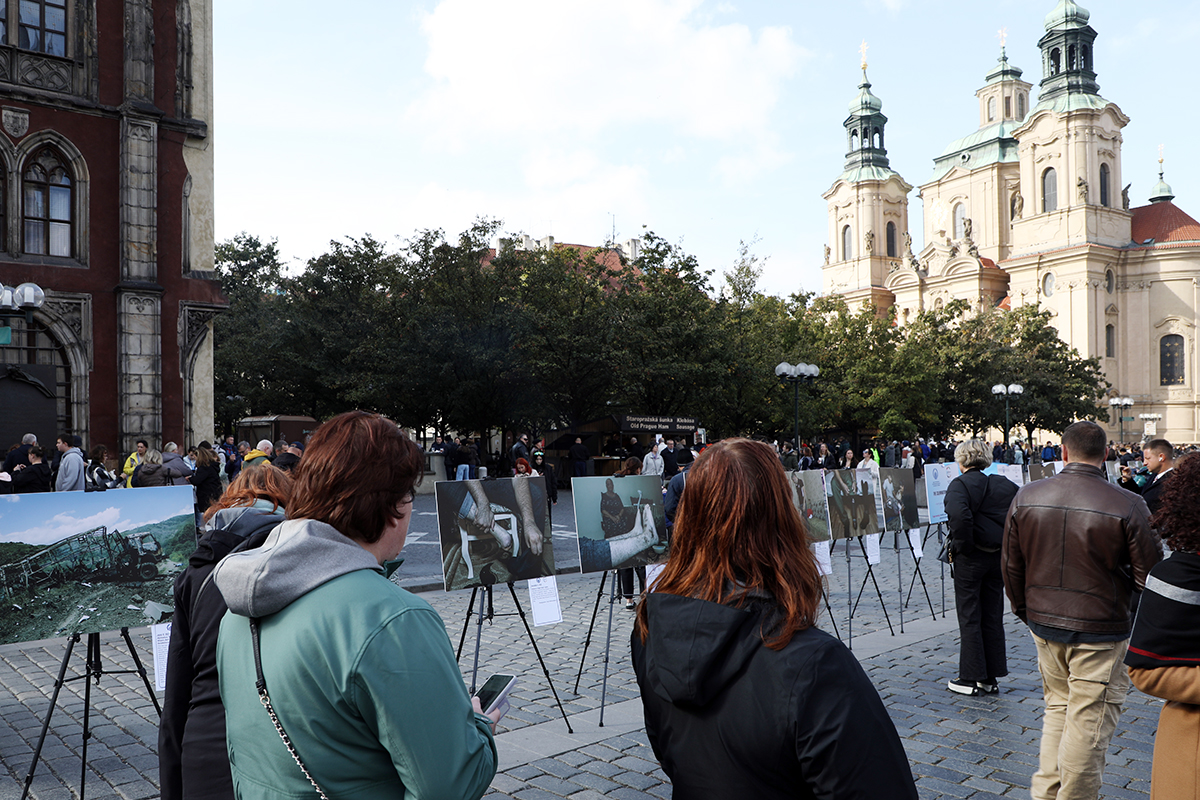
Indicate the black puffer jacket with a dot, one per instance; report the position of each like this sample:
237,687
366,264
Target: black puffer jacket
191,735
730,718
976,505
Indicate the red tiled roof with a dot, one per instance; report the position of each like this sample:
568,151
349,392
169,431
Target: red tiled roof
1163,222
987,262
1006,303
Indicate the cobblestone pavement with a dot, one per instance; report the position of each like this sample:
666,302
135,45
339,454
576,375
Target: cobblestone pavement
960,747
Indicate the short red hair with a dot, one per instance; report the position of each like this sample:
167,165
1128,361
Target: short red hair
357,469
736,529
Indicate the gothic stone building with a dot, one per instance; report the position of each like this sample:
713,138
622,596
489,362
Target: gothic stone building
106,197
1029,209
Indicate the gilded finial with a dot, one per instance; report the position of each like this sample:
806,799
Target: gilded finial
1003,34
862,50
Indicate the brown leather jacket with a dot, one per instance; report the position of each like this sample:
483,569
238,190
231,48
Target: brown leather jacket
1075,549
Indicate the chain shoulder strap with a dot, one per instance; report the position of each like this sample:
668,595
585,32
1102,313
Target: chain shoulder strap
264,698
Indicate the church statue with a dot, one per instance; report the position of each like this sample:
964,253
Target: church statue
907,242
827,255
1083,187
1125,196
1018,206
869,242
972,249
953,251
968,228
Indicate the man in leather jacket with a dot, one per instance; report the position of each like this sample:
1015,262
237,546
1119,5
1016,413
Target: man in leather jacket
1076,550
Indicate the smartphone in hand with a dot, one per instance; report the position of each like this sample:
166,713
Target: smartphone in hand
494,692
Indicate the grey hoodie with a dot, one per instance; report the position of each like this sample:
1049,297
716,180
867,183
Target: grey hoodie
297,557
70,471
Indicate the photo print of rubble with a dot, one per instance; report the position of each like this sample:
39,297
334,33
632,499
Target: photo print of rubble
86,562
621,522
493,531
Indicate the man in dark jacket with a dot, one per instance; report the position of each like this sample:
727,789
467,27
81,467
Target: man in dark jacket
579,458
1159,462
21,454
1076,549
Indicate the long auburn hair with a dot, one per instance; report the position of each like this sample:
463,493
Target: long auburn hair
1178,517
736,530
255,482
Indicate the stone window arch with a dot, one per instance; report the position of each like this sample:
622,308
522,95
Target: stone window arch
42,26
854,140
960,220
991,109
1049,190
1055,61
1171,360
1104,197
891,239
48,204
847,244
1021,105
1110,341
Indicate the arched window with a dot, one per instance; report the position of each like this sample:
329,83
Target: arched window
1071,58
960,218
35,344
891,239
853,140
991,108
1049,190
1110,281
877,139
1055,61
1085,59
48,204
1110,341
43,26
1021,106
847,244
1170,360
1104,184
1008,106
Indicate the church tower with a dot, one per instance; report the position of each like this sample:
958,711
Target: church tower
1070,147
868,209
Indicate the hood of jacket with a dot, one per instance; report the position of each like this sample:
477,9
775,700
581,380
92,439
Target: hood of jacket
298,556
695,648
253,454
229,527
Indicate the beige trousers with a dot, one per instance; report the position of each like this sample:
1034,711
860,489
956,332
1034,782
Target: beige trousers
1084,686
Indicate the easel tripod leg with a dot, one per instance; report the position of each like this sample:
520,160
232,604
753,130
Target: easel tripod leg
58,684
94,668
141,670
588,641
612,599
478,639
538,653
467,622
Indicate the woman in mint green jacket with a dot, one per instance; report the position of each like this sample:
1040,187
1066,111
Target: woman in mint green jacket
360,672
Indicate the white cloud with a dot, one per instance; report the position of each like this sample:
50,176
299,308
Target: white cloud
62,525
534,68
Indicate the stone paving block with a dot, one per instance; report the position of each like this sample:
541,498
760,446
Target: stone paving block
525,772
586,794
592,781
555,767
553,785
637,780
534,794
629,793
602,768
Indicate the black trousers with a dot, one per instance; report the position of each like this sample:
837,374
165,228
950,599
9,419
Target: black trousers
979,595
627,581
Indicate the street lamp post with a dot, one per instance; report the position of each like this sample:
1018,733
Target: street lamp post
795,374
1007,391
1120,404
19,301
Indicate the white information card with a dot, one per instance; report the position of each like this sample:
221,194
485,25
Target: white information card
871,540
160,635
914,541
824,563
543,601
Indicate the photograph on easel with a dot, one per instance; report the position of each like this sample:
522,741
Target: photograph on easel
808,494
621,522
855,504
493,531
937,481
899,491
87,562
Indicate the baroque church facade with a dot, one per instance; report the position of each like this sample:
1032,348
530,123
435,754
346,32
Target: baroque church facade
1030,209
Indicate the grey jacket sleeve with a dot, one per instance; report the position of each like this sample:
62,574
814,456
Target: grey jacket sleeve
70,474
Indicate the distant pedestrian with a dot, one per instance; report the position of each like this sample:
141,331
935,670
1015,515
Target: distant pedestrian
135,458
71,468
579,458
33,476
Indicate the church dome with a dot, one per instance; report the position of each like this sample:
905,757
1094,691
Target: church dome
1067,14
1161,191
866,102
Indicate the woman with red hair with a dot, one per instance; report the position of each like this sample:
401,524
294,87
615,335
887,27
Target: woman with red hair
357,675
743,695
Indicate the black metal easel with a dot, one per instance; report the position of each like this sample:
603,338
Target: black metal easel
917,573
94,669
869,576
489,615
612,599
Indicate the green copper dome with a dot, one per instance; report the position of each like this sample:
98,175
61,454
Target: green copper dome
1067,14
1161,192
865,103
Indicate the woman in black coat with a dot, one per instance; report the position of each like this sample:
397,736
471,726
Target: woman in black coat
977,505
191,733
34,478
207,480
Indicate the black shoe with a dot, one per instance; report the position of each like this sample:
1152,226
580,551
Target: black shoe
988,687
959,686
631,605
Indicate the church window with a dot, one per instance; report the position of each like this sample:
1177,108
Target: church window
891,239
1008,106
1085,58
877,139
853,140
1048,284
48,203
1170,360
1021,106
1104,184
1110,341
1110,281
43,26
1055,61
847,244
991,108
1049,190
1071,58
960,218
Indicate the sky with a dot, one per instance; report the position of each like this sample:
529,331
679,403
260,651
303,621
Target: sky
709,123
47,517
